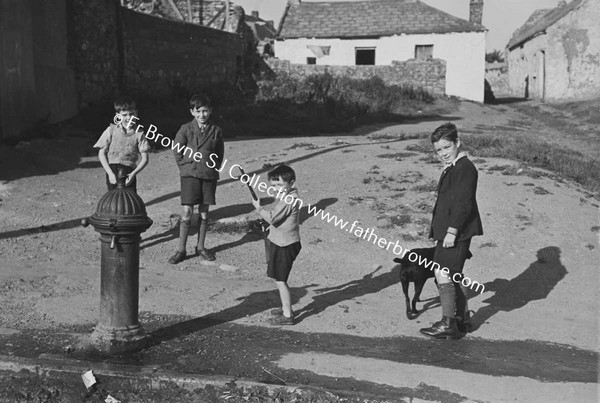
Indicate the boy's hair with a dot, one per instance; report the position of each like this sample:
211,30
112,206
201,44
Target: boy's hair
200,100
447,131
284,172
124,103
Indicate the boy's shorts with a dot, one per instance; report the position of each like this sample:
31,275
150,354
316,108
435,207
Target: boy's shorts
280,260
452,258
197,191
125,170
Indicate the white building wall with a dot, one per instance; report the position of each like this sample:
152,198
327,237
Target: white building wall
464,54
563,63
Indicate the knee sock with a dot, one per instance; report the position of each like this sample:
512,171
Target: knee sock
447,298
202,228
461,301
184,229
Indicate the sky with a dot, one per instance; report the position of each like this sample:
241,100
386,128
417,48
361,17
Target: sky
500,17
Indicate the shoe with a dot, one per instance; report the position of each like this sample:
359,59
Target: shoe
278,312
464,325
281,320
178,257
444,329
205,254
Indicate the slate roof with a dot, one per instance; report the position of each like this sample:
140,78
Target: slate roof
539,21
368,19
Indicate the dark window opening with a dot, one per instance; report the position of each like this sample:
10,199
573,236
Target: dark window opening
311,60
423,52
365,56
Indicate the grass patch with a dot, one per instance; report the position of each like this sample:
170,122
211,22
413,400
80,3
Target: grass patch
236,227
488,245
567,163
308,146
396,156
538,190
425,187
423,146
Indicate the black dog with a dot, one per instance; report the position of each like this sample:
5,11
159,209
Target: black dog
418,274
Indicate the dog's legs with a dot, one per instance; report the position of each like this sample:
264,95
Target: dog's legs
418,288
406,298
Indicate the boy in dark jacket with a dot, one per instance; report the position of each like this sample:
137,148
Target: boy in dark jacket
199,172
455,221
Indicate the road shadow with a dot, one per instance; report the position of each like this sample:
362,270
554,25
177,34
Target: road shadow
253,235
249,305
535,283
330,296
320,205
507,100
218,214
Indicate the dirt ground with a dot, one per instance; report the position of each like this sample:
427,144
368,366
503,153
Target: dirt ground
537,259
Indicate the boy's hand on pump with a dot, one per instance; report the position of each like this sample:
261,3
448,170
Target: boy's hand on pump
256,204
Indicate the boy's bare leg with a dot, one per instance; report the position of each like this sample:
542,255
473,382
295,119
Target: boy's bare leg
202,229
286,298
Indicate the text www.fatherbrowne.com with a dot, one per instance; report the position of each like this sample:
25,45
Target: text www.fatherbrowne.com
369,235
254,182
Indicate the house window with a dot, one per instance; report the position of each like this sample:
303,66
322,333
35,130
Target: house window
311,60
365,56
423,52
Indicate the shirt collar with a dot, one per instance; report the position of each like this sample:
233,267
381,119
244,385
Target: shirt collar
124,129
453,163
202,128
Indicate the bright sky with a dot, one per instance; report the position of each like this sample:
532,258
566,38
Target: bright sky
500,17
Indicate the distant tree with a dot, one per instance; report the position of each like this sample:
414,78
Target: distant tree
495,56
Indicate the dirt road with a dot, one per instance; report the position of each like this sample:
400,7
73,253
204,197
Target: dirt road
537,259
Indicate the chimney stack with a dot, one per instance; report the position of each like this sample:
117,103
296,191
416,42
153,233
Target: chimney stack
255,14
476,11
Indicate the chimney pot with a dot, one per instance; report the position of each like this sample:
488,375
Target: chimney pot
255,13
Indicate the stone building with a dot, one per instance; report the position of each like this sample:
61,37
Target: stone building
379,32
555,55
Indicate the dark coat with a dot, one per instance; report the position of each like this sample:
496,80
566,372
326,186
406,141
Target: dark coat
456,205
209,144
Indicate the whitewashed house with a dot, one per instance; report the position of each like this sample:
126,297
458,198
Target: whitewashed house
377,32
555,55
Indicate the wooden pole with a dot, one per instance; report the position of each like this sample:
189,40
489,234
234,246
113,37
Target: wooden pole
189,4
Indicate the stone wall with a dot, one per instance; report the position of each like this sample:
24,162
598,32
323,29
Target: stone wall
93,48
496,75
113,49
162,56
428,74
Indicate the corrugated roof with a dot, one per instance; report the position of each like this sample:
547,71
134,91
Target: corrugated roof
369,18
539,21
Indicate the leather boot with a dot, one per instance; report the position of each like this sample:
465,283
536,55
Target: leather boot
444,329
464,324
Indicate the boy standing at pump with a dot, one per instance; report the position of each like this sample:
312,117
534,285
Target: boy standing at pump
198,180
120,147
